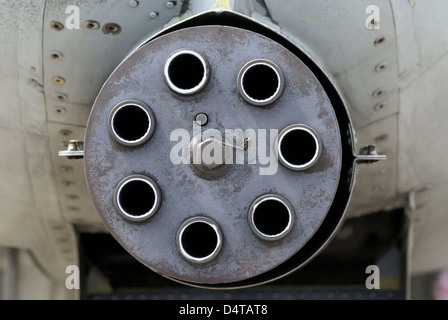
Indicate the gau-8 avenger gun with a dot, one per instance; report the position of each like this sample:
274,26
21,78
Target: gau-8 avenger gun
220,144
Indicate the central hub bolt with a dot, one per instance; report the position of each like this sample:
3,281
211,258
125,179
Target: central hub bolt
208,152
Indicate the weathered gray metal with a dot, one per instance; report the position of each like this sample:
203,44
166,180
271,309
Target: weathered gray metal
226,197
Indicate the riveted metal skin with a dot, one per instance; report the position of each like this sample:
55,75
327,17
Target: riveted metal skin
227,198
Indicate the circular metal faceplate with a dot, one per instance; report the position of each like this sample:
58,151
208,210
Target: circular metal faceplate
226,197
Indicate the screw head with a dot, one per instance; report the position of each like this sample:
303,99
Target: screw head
58,80
60,110
379,107
91,25
56,25
380,67
378,92
61,96
111,28
56,55
379,40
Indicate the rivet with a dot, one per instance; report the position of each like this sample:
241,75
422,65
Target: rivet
378,92
379,40
170,4
61,96
133,3
58,80
59,110
380,67
65,132
379,107
56,25
91,25
153,15
56,55
111,28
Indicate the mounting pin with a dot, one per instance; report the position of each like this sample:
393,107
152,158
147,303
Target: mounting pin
75,150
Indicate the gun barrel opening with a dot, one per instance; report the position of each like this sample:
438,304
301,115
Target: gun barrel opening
299,147
271,217
137,197
199,240
260,82
186,72
131,123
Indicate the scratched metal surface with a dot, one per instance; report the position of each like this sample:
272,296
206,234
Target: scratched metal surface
226,200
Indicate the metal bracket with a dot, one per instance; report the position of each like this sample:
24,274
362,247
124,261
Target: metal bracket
75,150
368,154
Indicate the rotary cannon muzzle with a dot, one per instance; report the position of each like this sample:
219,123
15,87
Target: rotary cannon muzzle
217,222
199,239
131,123
186,72
137,197
299,147
260,82
271,217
